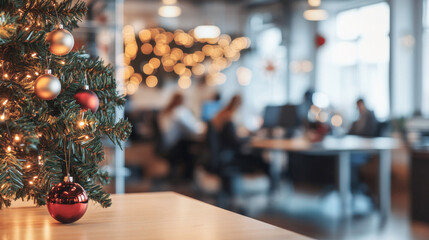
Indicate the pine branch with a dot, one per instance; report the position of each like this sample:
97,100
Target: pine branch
34,133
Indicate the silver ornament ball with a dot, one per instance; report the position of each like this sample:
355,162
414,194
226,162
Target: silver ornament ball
61,41
47,86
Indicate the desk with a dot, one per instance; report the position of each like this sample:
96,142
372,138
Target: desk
164,215
343,147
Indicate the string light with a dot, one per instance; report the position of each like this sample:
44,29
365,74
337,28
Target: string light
28,76
81,124
28,166
40,160
86,137
6,75
9,148
30,182
34,55
5,101
2,117
17,138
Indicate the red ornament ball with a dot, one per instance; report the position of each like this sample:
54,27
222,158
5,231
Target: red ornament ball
320,40
67,201
87,99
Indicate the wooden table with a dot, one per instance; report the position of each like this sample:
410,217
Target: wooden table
343,147
165,215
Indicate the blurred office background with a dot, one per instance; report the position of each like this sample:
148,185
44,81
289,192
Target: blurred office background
252,105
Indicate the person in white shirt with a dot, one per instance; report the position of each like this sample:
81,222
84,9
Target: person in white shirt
178,126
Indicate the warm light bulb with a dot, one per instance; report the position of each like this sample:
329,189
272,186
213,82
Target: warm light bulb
9,148
34,55
86,137
336,120
169,2
315,14
17,138
207,32
169,11
314,3
4,102
28,166
30,182
28,76
6,75
2,117
81,123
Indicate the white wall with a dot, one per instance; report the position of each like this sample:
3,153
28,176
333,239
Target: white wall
402,58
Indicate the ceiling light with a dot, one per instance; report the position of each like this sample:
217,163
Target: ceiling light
207,32
171,2
169,11
315,15
314,3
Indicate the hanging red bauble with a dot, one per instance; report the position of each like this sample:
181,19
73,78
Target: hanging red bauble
320,40
67,201
87,99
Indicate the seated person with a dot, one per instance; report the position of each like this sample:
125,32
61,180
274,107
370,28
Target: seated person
366,125
231,146
178,125
210,108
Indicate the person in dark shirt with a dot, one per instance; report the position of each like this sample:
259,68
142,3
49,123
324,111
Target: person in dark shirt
366,125
223,124
232,148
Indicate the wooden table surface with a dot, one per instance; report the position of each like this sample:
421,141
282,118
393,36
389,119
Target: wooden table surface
346,143
165,215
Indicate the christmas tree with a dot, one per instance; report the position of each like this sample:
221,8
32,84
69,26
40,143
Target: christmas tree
49,130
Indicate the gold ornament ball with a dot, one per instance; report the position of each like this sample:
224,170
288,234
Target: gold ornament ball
47,86
61,41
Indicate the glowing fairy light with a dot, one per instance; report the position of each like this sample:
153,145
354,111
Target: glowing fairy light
81,124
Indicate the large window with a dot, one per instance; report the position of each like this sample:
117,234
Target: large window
355,63
425,63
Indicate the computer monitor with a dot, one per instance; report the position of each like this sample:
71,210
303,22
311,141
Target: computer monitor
272,116
285,116
289,116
